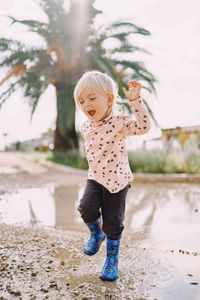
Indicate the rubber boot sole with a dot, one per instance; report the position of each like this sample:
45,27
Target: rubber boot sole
106,279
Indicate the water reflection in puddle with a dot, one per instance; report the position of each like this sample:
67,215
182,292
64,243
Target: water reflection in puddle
47,206
7,170
168,213
28,206
171,212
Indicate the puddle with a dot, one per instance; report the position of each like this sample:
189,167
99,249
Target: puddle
7,170
47,206
163,217
28,206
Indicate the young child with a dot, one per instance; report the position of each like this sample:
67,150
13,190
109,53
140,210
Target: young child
109,174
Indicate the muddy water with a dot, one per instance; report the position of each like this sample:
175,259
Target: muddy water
160,252
7,170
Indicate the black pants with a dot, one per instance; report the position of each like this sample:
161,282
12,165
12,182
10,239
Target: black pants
97,201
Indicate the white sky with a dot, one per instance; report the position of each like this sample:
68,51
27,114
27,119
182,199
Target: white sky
174,43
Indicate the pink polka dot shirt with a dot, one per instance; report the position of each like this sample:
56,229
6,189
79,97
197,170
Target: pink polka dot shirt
105,144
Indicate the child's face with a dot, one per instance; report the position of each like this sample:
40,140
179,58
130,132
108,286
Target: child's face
95,106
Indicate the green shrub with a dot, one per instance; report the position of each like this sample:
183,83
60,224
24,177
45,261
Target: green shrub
192,163
198,140
153,161
174,163
71,158
142,161
160,161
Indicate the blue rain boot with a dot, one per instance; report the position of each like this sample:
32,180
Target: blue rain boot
110,269
96,238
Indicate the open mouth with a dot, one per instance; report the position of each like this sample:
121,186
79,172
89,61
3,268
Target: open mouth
91,112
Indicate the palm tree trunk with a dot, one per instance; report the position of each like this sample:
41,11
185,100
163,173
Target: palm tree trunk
65,137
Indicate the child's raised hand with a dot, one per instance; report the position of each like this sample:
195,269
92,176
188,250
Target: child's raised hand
134,90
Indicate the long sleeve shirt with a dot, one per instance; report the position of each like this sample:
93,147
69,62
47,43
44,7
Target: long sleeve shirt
105,144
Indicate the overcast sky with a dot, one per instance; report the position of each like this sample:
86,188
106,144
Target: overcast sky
174,43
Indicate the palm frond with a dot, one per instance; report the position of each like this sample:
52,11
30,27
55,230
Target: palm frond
35,56
151,113
10,44
128,48
37,27
18,70
134,28
5,95
138,70
34,86
29,23
120,36
16,58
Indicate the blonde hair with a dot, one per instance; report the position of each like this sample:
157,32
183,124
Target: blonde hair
96,81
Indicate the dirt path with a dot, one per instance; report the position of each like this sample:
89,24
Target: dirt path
30,173
46,263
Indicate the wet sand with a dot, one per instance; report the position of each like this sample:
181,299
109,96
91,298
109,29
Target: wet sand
43,259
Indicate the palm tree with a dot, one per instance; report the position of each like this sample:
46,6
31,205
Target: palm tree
73,45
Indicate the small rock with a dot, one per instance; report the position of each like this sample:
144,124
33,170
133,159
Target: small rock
76,293
16,293
19,266
67,284
81,286
103,289
44,290
108,296
52,285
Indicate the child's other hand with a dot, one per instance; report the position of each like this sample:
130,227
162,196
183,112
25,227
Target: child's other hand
134,90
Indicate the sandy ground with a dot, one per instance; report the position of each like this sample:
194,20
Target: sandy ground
40,264
46,263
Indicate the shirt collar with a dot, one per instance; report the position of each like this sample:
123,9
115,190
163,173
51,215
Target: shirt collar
94,124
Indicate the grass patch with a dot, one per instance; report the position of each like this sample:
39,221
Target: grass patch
72,159
141,161
160,161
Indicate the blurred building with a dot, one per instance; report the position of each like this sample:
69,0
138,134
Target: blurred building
183,134
44,142
173,138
